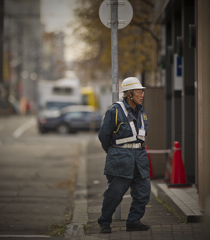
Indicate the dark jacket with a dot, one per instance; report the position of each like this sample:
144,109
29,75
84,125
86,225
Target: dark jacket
121,161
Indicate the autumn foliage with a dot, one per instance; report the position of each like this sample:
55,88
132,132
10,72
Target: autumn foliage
137,43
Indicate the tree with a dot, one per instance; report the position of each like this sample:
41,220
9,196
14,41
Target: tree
137,43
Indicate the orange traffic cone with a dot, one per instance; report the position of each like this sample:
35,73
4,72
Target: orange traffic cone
178,176
150,164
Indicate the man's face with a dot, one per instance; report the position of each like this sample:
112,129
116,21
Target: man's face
138,96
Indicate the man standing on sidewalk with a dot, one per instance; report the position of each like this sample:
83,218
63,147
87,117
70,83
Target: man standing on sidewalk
122,136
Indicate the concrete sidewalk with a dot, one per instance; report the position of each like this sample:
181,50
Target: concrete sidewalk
165,221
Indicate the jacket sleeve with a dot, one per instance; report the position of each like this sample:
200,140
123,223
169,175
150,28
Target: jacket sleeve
107,129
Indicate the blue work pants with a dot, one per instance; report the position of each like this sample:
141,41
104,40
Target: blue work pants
117,187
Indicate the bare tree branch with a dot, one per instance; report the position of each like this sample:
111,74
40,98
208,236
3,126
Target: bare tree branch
140,24
147,2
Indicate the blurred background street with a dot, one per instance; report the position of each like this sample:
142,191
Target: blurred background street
56,83
37,178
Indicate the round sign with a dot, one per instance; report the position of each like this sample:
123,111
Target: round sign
125,13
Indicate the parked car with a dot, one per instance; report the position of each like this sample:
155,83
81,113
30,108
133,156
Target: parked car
70,120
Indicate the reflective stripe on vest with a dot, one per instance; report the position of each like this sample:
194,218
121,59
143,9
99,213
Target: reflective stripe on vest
142,126
133,129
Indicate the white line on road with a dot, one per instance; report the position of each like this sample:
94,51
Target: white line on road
23,236
25,126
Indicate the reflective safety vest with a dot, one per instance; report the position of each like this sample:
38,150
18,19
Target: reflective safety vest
135,136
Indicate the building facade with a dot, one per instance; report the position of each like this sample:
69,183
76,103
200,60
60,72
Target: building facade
21,47
29,53
185,35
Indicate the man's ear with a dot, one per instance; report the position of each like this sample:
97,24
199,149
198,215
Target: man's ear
130,95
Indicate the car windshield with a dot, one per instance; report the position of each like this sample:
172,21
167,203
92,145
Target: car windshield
58,105
78,115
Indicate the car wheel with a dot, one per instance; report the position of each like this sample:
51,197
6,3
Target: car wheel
63,129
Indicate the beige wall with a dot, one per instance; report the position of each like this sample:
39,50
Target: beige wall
154,104
203,100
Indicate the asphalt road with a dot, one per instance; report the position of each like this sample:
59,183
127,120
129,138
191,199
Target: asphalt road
37,177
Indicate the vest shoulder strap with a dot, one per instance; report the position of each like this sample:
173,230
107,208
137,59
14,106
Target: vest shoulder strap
123,108
132,126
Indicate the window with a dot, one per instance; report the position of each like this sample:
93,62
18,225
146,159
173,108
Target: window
62,91
74,115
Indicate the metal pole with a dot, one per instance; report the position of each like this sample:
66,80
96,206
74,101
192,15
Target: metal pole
1,51
115,84
1,40
114,43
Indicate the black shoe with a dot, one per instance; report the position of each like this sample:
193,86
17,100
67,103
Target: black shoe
105,229
137,227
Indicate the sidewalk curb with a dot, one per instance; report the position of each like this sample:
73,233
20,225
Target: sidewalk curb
161,194
75,230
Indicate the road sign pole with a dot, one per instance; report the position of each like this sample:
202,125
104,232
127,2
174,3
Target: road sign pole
114,46
120,18
115,80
